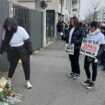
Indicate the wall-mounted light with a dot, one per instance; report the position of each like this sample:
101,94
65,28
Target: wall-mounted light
43,4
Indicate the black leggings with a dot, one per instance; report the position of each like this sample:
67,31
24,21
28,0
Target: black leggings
74,59
87,70
14,55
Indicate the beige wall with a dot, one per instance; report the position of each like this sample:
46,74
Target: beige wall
29,3
55,5
76,5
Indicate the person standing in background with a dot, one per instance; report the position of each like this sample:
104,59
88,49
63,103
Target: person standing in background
75,36
60,29
16,42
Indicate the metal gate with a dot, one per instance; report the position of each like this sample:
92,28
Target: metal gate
4,13
21,14
31,20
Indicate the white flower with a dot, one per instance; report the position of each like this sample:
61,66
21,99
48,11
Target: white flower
3,82
1,89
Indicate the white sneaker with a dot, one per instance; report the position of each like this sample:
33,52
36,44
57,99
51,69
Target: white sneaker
9,84
28,84
76,77
70,75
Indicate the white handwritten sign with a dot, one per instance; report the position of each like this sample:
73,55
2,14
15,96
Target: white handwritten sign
69,49
89,47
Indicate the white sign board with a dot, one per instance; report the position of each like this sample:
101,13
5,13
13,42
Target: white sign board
69,49
89,47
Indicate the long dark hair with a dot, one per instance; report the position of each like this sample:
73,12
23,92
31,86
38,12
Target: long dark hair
75,19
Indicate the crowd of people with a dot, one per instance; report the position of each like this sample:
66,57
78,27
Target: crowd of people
73,33
16,42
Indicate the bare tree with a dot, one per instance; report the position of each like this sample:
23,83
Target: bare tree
95,6
92,8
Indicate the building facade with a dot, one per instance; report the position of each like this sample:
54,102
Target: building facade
26,3
75,8
51,15
100,15
64,8
54,11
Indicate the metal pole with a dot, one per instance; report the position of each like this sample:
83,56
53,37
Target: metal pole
61,7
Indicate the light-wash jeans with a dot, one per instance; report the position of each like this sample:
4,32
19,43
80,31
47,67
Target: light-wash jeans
59,37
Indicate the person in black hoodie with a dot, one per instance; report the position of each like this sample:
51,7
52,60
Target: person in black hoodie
16,42
75,36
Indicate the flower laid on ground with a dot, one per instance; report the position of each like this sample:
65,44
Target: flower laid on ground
7,96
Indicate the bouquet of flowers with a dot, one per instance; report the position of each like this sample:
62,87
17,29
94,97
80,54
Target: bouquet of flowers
7,96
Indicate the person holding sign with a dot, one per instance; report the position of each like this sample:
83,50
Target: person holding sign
74,40
92,47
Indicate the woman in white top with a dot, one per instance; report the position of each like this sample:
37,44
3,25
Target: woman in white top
74,37
16,42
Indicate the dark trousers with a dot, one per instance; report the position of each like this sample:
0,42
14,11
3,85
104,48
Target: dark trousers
74,59
14,55
87,70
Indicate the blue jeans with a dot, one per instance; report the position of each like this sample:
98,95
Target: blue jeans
59,37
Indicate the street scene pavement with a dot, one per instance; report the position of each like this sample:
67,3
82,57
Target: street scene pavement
51,86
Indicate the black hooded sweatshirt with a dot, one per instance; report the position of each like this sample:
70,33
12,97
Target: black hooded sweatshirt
9,34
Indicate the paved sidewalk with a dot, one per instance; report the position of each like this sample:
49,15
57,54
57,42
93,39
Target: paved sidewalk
50,84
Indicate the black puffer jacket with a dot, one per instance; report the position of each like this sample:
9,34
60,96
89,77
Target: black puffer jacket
60,26
77,37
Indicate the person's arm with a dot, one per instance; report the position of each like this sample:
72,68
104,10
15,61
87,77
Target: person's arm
3,47
81,36
101,50
28,46
102,47
27,42
3,44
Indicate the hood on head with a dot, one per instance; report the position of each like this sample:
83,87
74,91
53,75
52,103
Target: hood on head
11,22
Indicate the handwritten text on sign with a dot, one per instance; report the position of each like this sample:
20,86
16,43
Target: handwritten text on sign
89,47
